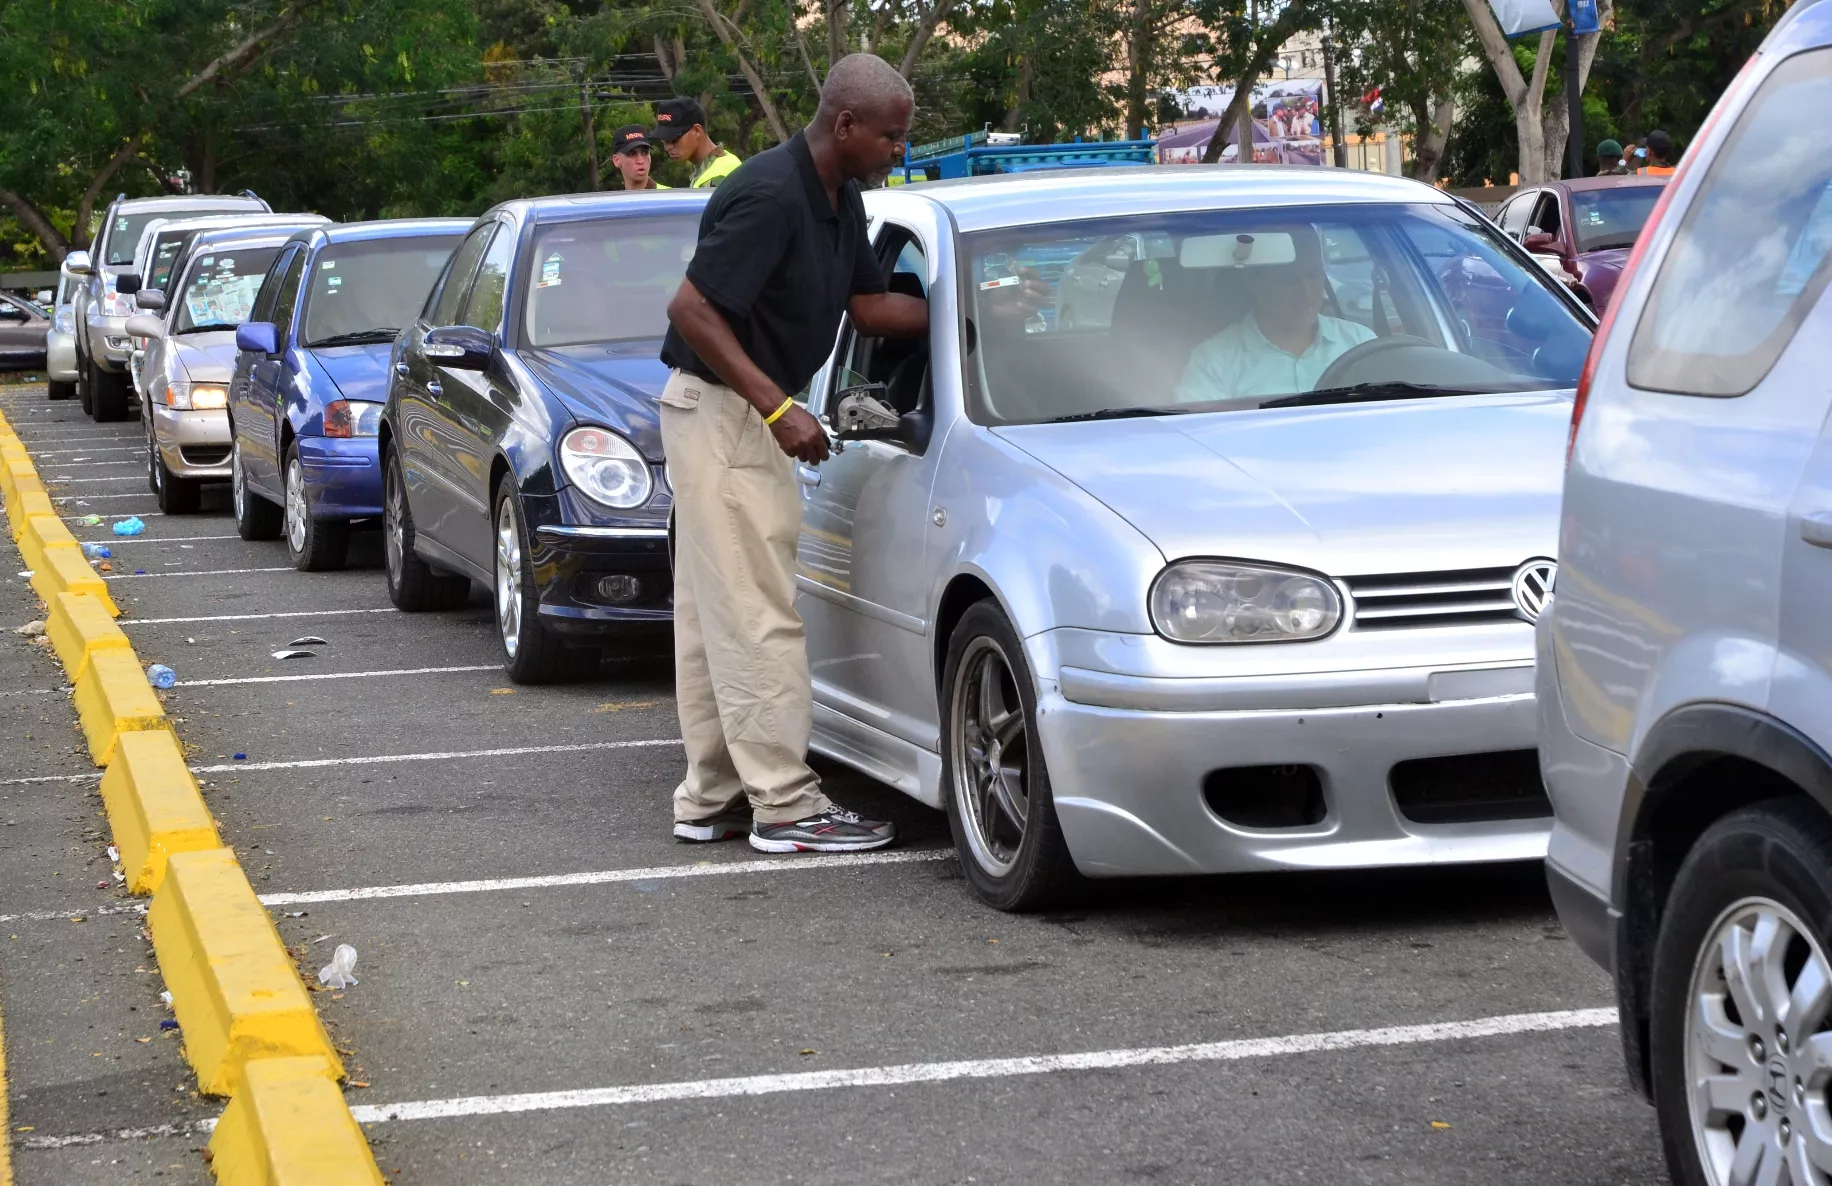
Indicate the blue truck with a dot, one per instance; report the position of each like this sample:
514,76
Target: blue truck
984,153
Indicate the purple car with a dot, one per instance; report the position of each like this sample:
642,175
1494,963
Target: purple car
1588,224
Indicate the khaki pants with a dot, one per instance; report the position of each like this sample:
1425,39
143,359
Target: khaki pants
740,653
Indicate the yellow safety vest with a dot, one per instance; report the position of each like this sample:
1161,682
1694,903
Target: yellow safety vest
718,167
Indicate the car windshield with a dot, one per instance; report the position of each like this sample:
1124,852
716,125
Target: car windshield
605,281
124,235
165,253
364,292
219,289
1239,309
1604,218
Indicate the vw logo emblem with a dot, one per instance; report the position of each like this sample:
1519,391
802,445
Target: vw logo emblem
1533,587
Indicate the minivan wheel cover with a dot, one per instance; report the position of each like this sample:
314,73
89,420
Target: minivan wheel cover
508,578
990,759
1757,1061
296,513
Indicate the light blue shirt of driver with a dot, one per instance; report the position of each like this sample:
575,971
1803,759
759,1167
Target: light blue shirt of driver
1241,363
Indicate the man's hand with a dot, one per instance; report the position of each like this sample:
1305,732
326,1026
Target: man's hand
801,436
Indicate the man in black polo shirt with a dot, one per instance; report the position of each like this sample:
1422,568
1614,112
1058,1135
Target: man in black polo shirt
783,254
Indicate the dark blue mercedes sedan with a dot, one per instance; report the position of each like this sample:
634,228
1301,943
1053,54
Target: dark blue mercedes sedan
311,370
521,445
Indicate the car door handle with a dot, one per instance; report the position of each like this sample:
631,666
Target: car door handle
1816,529
807,475
435,389
400,368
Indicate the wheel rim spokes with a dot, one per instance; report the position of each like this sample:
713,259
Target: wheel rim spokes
295,507
990,759
395,532
1757,1061
508,578
235,478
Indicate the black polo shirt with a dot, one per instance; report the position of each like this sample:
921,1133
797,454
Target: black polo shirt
779,262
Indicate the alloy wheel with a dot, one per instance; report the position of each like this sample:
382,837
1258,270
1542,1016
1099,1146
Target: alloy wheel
508,577
990,759
394,534
238,492
296,512
1758,1060
154,478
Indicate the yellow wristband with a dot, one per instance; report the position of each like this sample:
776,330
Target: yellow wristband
773,417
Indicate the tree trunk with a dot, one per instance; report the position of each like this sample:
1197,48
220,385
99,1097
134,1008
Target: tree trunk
1014,114
85,207
838,12
1266,45
722,27
1542,133
919,37
206,176
801,45
249,50
591,138
879,22
1433,133
664,59
1139,45
35,220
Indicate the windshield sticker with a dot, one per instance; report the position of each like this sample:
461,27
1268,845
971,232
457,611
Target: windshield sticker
333,286
120,224
329,265
550,271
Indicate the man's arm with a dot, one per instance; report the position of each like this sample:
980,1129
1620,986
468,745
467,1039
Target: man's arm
889,315
797,432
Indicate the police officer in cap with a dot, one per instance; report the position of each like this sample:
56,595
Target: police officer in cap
630,153
680,124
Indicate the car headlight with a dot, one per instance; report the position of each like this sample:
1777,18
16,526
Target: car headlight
201,397
1216,601
605,467
352,418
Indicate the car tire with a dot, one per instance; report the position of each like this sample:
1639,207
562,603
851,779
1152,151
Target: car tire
255,517
85,395
60,389
107,395
313,545
1752,899
413,584
1002,812
177,496
532,654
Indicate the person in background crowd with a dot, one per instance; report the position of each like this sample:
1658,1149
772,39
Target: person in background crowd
783,255
680,124
630,153
1660,148
1609,160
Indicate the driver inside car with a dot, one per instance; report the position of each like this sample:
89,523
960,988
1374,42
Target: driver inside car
1284,343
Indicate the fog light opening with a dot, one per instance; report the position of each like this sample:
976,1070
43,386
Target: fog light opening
1285,796
619,589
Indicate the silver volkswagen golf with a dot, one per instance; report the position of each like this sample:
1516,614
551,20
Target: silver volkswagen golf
1234,572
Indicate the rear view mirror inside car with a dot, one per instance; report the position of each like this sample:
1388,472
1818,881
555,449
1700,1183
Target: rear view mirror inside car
1238,250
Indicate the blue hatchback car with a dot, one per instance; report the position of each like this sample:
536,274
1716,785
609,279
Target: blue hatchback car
311,374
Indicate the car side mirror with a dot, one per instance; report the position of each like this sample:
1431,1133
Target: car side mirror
145,325
862,413
461,347
150,299
1539,241
258,337
77,264
127,283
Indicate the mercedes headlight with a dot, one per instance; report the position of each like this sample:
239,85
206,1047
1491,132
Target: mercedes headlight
605,467
1214,601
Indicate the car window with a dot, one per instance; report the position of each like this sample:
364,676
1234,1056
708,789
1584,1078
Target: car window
1606,218
1545,215
165,254
1513,217
219,289
123,232
457,283
1749,258
1255,306
485,308
269,292
286,296
604,280
368,290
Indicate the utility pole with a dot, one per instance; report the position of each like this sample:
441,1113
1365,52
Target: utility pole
1341,150
591,135
1574,97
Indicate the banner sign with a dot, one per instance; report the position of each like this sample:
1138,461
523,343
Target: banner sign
1521,17
1584,17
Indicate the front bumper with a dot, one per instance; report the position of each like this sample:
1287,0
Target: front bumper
570,561
60,357
1142,767
343,476
193,444
109,345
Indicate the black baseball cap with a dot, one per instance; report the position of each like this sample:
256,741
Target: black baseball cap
673,117
629,136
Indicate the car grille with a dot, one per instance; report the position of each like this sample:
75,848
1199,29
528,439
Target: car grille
204,454
1469,597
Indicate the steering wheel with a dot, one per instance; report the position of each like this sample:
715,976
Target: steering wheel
1336,374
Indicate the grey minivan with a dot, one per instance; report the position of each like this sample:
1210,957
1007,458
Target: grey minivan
1685,665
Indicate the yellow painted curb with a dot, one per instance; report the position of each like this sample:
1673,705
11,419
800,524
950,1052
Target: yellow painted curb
154,807
60,568
112,698
14,472
78,626
289,1126
41,532
233,984
29,504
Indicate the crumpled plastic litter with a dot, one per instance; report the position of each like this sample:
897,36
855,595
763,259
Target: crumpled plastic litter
166,1023
92,520
294,654
340,972
166,996
97,551
31,629
130,526
308,641
241,757
160,676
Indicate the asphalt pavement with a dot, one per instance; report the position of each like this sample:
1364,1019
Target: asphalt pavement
552,990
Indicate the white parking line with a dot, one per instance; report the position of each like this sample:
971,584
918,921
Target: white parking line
605,877
85,460
303,613
60,915
33,691
987,1068
118,1134
514,751
111,538
41,778
64,500
324,675
209,572
62,480
129,515
140,449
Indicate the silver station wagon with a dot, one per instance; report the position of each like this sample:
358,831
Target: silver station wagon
1235,571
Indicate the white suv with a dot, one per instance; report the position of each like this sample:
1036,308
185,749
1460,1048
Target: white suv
1685,666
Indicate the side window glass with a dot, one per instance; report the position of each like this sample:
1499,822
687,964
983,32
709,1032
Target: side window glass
1546,216
1749,260
286,298
1513,218
269,295
901,365
485,308
457,283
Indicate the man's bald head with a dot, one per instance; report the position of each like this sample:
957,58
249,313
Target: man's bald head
866,85
864,116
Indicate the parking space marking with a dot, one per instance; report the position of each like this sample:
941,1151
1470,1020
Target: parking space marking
67,481
119,1134
62,915
85,460
608,877
512,751
323,675
987,1068
64,500
40,778
301,613
166,539
194,572
85,452
33,691
129,515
